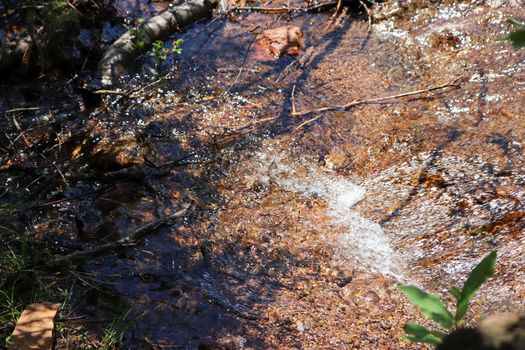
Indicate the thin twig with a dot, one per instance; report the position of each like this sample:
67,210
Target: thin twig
285,69
227,91
24,109
56,168
22,132
283,9
293,100
450,84
110,92
367,10
336,12
369,30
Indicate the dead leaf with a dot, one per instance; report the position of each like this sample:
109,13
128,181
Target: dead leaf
277,42
34,329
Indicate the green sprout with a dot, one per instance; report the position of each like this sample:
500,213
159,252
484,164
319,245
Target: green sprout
115,332
161,53
516,37
431,306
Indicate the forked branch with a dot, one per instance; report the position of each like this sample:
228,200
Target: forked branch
451,84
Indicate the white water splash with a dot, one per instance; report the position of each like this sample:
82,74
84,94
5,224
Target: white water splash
364,243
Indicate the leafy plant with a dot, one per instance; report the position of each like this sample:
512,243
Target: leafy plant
20,284
138,34
433,307
161,53
517,37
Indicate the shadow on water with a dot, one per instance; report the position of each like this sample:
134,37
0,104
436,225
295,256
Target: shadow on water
195,291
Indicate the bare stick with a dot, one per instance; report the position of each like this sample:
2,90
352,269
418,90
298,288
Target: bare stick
24,109
110,92
127,242
283,9
293,100
367,10
227,91
450,84
336,12
22,132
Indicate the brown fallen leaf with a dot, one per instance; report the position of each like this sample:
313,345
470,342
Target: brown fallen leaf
287,40
34,329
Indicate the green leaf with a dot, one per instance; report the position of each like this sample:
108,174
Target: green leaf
429,305
516,22
517,38
456,293
153,71
482,272
417,333
438,334
461,310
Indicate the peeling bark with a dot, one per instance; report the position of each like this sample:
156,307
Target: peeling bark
123,51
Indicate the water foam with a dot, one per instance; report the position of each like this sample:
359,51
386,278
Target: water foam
364,243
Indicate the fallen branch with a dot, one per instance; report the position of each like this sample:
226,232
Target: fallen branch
450,84
127,242
128,47
283,9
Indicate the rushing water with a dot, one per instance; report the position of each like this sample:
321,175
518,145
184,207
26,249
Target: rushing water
364,244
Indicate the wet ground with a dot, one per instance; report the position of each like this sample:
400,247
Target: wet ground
295,238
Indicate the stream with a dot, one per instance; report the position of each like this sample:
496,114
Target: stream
296,238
